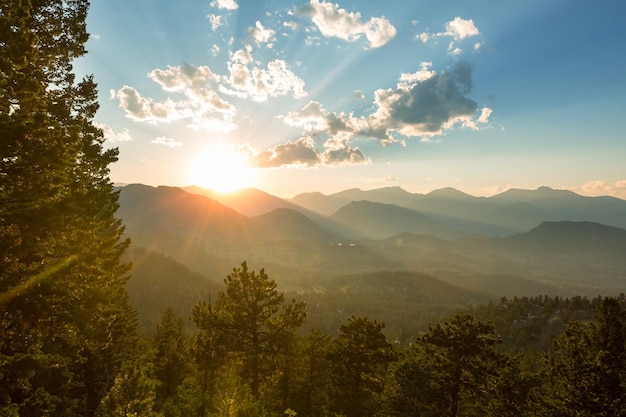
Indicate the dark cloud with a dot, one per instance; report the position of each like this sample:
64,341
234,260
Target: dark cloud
425,107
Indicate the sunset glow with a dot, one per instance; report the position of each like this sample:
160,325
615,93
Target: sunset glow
221,168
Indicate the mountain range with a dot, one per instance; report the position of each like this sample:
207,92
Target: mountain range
517,242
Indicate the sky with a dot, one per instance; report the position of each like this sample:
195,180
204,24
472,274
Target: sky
303,96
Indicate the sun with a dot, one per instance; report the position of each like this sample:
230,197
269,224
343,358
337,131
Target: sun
221,168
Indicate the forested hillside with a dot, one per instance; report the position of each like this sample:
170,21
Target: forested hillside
248,352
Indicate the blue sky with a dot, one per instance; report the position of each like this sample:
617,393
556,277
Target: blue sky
301,96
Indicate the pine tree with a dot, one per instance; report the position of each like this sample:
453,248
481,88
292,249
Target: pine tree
462,361
173,358
360,356
252,318
64,310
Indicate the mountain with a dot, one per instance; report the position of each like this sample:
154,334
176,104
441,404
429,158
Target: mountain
369,220
158,282
287,224
386,195
173,211
563,205
247,201
363,237
567,238
322,204
329,204
515,211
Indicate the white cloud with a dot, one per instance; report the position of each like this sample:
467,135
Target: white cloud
261,34
332,21
484,115
201,105
145,109
258,84
225,4
458,29
313,117
602,188
172,143
379,32
423,74
183,77
215,21
461,28
111,136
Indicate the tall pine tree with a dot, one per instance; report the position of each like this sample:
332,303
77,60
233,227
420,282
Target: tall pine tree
64,310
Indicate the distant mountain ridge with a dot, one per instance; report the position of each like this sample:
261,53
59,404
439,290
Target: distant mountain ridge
454,236
507,213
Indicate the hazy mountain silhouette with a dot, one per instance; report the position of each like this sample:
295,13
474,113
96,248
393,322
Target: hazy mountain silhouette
247,201
329,204
511,212
573,238
369,220
453,236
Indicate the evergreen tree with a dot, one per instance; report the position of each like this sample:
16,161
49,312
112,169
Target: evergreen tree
252,319
586,374
360,356
64,310
173,357
462,362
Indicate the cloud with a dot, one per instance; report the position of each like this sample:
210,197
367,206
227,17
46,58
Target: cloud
172,143
423,74
145,109
423,106
215,21
111,136
332,21
458,29
225,4
183,77
339,152
261,34
203,107
461,29
203,91
602,188
303,153
258,84
314,118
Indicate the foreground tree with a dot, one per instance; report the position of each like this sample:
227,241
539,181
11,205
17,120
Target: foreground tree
65,318
173,357
586,373
450,371
360,356
253,320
